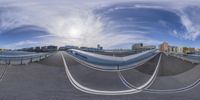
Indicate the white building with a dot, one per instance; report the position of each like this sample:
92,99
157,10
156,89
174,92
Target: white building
180,50
173,49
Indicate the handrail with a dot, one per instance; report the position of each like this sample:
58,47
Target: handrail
102,92
22,59
109,60
113,68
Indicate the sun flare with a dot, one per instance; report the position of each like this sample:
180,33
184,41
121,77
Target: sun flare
75,32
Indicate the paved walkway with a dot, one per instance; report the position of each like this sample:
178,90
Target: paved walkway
47,80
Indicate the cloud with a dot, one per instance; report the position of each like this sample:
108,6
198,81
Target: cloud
59,17
193,32
106,40
21,44
26,42
59,22
45,36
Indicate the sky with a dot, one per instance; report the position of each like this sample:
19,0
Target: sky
110,23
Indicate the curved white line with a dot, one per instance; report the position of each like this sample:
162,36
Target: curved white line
191,86
3,74
129,85
101,92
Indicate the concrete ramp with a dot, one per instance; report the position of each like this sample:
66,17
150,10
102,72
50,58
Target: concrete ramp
169,66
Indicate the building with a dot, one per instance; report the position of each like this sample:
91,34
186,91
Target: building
99,47
61,49
164,47
191,50
197,51
31,49
172,49
90,49
37,49
187,50
67,48
50,48
44,49
180,50
149,47
3,49
139,47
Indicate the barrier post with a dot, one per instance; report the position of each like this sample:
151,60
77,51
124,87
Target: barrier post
40,57
31,60
117,67
21,60
9,61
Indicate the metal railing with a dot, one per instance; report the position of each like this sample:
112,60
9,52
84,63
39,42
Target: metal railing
113,63
22,59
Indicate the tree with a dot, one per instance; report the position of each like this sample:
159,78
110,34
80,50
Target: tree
185,50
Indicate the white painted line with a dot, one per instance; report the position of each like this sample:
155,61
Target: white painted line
3,74
187,59
191,86
102,92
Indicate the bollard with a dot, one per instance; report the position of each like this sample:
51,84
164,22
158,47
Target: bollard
5,61
31,60
117,67
40,58
21,60
9,62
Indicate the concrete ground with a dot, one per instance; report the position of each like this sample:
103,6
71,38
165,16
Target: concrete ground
94,78
169,66
176,73
47,80
141,74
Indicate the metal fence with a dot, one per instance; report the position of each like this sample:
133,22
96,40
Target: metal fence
22,59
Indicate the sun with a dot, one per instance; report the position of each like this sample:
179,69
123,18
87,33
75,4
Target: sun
75,32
